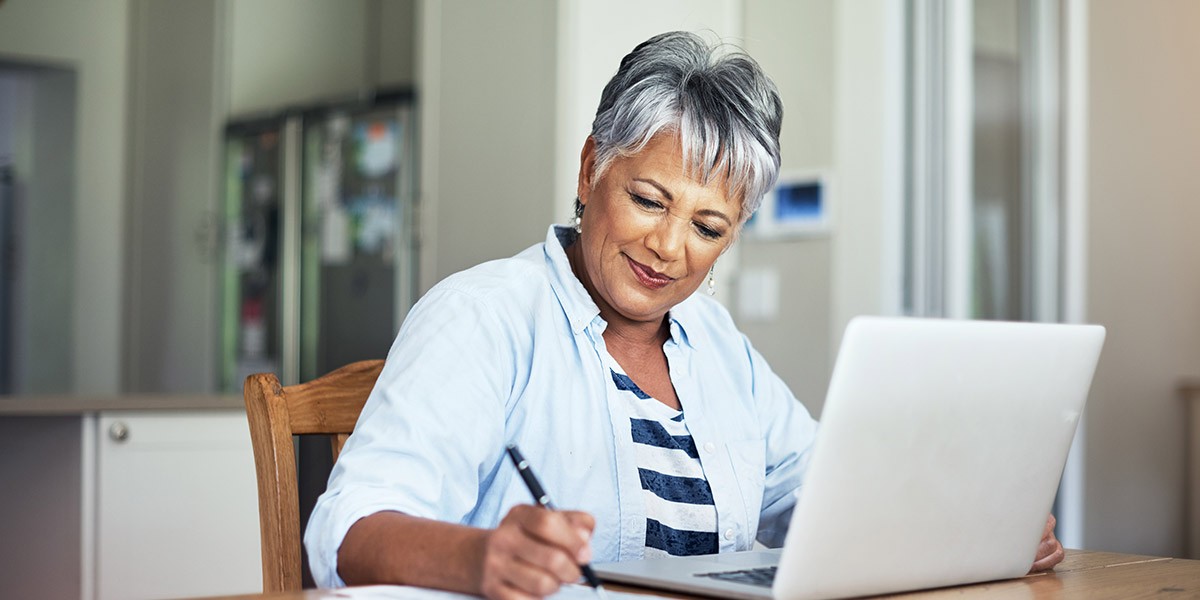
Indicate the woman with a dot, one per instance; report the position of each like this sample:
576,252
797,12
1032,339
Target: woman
639,403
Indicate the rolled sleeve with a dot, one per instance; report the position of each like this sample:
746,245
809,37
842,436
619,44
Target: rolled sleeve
430,432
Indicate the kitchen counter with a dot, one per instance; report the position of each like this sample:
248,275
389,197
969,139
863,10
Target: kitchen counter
65,405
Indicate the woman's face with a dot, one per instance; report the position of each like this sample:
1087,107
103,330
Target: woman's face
650,232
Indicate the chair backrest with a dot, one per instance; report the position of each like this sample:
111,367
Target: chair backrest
328,405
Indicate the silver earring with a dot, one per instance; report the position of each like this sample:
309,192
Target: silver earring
711,283
578,224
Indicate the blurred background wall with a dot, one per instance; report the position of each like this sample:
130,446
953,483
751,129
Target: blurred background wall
126,281
1143,266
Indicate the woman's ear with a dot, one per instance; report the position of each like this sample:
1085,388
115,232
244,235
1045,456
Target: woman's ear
587,168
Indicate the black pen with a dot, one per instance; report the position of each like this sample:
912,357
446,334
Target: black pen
543,498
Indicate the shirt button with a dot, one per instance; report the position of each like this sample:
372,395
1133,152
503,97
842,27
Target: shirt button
709,448
729,534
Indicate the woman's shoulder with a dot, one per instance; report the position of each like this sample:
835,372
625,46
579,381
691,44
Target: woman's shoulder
500,278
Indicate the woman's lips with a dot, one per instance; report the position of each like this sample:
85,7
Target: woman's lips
647,276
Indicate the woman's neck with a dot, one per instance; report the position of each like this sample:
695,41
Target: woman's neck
633,334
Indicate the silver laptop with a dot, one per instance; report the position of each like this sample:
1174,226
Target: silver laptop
939,454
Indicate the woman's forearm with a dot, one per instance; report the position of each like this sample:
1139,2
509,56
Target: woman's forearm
394,548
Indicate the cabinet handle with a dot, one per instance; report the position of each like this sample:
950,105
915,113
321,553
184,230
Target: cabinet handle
118,432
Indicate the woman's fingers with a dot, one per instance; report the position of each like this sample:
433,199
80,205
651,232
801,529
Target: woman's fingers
555,528
531,578
1050,551
552,559
534,551
1055,555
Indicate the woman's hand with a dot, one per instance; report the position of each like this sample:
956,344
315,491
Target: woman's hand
1050,552
531,553
534,551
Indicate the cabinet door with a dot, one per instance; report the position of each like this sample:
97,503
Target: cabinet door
177,505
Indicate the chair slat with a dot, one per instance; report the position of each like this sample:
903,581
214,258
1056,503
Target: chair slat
327,405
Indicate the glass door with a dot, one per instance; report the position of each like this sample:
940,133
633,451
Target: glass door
983,234
1016,197
252,315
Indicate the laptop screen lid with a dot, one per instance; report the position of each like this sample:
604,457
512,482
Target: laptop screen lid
940,450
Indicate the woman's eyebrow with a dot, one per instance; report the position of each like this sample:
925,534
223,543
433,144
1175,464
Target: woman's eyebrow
708,212
661,187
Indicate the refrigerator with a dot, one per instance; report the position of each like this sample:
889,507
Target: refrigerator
320,237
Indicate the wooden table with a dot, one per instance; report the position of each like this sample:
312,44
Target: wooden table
1082,574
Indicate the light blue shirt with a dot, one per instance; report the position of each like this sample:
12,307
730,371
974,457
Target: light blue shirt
510,352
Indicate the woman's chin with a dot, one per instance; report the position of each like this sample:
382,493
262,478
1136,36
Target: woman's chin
644,306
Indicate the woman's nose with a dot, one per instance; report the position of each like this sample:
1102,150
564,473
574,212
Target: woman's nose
668,237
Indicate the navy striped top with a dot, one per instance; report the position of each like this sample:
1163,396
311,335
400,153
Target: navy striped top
681,518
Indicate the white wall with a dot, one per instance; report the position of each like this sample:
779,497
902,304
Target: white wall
295,51
178,102
868,151
396,32
92,39
288,52
1144,256
794,41
487,81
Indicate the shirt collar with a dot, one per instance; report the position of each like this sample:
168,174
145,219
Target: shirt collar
578,305
685,327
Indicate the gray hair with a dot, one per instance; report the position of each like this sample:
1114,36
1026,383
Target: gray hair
726,111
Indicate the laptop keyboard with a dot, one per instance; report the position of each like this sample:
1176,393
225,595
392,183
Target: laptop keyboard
762,576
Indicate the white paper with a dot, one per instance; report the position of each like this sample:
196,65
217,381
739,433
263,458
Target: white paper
396,592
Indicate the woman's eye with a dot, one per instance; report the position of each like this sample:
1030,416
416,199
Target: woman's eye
645,202
708,232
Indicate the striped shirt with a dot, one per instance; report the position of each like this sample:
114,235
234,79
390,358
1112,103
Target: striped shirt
681,518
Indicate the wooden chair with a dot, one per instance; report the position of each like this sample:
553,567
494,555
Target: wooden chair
328,405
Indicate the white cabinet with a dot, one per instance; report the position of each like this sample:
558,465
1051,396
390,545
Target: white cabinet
176,508
127,497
